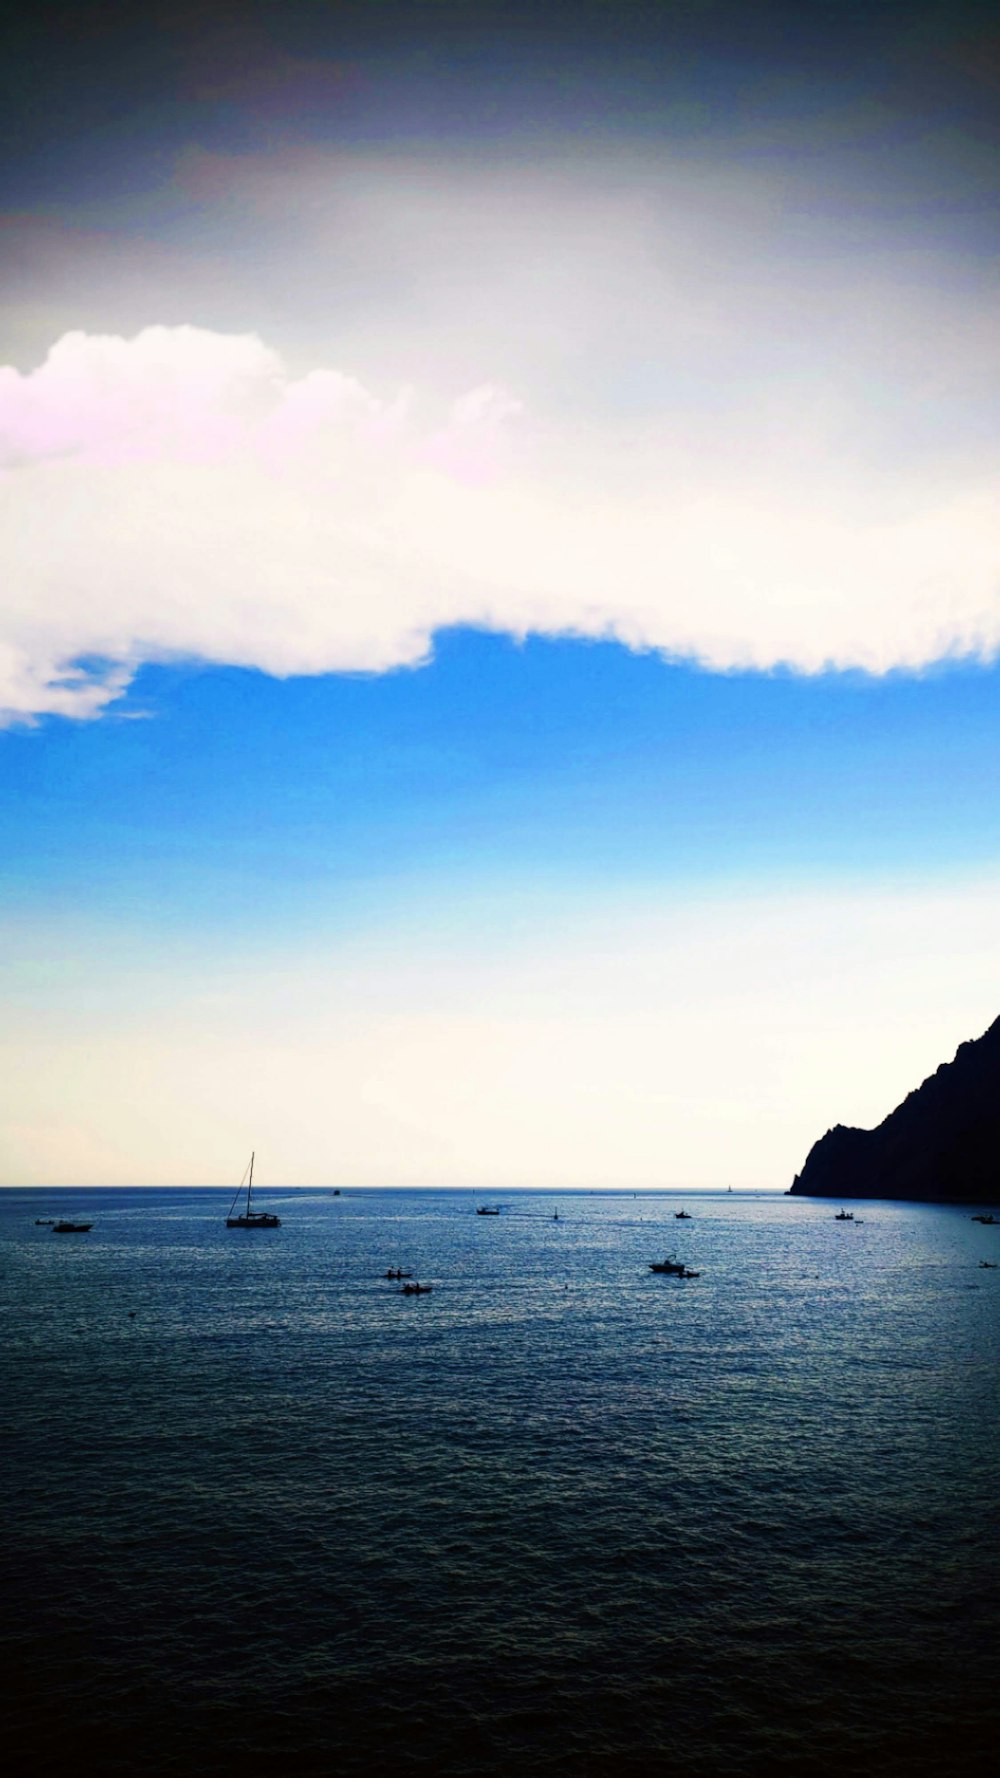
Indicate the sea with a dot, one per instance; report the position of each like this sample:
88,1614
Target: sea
560,1517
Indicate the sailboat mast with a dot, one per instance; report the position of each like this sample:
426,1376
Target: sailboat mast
250,1182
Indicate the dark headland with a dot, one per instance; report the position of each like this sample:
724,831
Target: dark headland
941,1145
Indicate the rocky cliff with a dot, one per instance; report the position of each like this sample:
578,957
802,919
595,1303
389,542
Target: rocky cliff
941,1145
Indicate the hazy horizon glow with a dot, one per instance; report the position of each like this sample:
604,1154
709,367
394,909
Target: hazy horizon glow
627,1045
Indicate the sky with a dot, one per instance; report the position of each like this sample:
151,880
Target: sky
499,631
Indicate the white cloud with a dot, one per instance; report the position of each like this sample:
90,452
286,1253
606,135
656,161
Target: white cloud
181,493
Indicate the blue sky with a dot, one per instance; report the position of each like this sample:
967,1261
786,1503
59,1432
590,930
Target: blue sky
498,656
221,794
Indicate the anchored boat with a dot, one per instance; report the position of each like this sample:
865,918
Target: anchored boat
250,1219
675,1268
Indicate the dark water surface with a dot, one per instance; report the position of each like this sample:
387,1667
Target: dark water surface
561,1516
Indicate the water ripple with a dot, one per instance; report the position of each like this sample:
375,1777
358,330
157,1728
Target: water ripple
560,1517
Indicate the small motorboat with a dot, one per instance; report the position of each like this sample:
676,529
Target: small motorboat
989,1219
484,1210
682,1216
394,1272
844,1216
987,1265
416,1290
673,1267
71,1228
45,1222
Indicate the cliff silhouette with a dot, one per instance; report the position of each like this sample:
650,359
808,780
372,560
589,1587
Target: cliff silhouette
941,1145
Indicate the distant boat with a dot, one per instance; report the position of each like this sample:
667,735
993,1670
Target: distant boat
682,1216
416,1290
394,1272
45,1222
250,1219
844,1216
485,1211
675,1268
71,1228
989,1219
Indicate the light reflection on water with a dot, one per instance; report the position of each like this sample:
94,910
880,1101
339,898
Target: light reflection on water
561,1516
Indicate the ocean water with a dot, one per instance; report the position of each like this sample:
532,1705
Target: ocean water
561,1516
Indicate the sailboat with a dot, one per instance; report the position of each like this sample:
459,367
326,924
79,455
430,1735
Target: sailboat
250,1219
